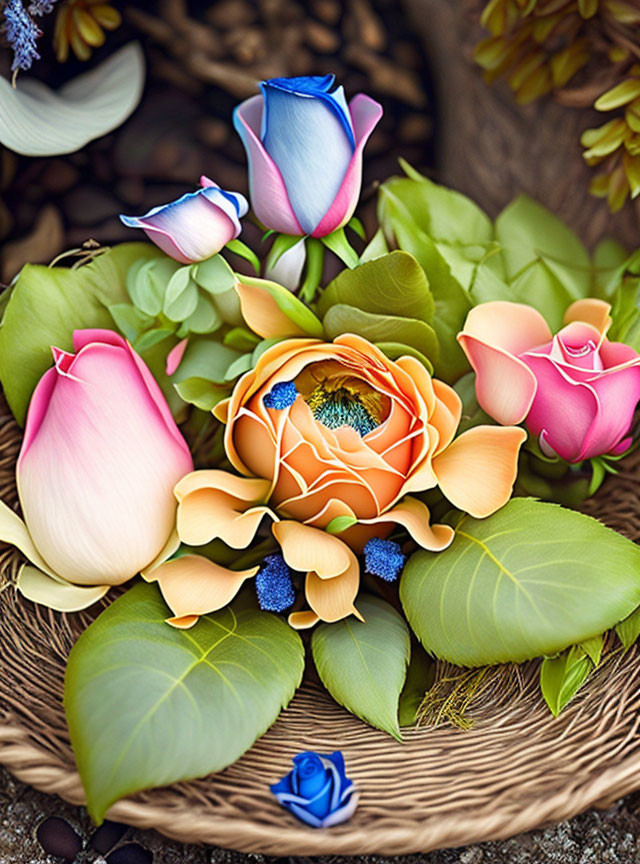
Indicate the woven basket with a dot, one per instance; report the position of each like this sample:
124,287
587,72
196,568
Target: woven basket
517,768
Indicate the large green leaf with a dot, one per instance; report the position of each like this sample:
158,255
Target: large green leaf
148,705
378,327
391,283
528,581
47,304
528,231
364,665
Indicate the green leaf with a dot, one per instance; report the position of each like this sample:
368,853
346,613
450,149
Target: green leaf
452,302
241,339
205,318
561,677
357,227
364,665
337,242
202,393
443,214
527,231
340,523
393,282
629,629
377,247
528,581
147,282
405,331
593,648
243,251
149,705
181,296
151,338
207,359
47,304
420,676
214,275
129,320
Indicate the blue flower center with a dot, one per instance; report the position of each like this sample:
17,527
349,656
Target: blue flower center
346,402
383,558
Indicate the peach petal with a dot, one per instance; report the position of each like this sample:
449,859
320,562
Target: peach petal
513,327
446,413
207,514
263,315
243,488
305,548
414,515
394,428
186,622
193,585
477,471
303,620
331,510
251,447
333,599
505,386
421,379
591,311
353,492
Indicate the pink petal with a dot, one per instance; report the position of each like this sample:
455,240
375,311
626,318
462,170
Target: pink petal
617,353
365,115
268,193
174,357
563,408
514,327
618,395
505,387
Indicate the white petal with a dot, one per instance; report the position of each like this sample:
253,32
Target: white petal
37,121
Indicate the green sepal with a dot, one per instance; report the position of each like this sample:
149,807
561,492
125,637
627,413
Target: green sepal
337,242
243,251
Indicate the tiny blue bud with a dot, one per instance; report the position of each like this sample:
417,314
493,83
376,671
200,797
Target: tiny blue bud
281,395
384,558
274,586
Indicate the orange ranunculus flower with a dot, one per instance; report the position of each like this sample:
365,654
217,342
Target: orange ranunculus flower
320,430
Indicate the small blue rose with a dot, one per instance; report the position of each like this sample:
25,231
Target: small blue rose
317,790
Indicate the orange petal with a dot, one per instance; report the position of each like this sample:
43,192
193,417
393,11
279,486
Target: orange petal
332,509
446,413
332,599
263,315
477,471
207,514
184,623
514,327
420,378
591,311
505,386
414,515
243,488
303,620
305,548
192,585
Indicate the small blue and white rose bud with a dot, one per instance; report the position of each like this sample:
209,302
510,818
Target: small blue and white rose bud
317,790
196,226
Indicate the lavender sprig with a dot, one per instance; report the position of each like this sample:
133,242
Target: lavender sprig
21,33
41,7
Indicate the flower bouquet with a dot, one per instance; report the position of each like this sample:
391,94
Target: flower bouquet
359,475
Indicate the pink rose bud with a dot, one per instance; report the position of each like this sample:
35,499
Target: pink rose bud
99,461
196,226
576,391
304,146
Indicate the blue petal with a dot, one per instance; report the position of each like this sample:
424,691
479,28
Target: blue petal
307,132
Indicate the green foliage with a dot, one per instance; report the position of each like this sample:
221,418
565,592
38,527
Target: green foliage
148,705
359,301
420,676
48,303
364,665
500,593
561,677
629,629
528,256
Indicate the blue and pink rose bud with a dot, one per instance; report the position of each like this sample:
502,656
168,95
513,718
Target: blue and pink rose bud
196,226
317,790
304,146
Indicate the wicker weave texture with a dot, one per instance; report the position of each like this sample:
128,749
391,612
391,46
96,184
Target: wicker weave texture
516,769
